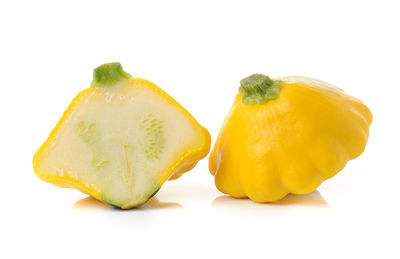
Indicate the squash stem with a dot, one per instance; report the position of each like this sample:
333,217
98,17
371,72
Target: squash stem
108,75
259,89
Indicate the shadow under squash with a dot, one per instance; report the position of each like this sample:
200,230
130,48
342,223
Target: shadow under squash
313,199
90,203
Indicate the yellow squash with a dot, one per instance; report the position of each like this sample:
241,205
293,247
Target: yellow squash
120,140
286,136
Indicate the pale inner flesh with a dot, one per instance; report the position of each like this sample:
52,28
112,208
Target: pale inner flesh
119,142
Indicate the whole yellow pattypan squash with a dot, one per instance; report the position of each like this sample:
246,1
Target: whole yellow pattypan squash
120,140
286,136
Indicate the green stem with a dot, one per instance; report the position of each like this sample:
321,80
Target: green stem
259,89
108,75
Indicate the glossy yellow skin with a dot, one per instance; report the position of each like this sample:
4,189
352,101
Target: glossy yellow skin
290,144
177,167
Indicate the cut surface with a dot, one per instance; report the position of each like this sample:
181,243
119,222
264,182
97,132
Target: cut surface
121,142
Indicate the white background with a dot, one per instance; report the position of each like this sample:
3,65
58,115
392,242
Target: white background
198,52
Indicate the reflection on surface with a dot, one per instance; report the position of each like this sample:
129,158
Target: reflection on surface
90,203
313,199
155,203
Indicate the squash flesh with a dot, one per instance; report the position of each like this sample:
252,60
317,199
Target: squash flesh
120,144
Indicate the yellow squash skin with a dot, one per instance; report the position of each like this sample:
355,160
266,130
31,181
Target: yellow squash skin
290,144
179,165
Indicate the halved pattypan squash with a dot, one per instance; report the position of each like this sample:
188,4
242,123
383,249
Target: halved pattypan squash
286,136
120,140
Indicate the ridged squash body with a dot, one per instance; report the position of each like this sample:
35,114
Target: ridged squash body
286,136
